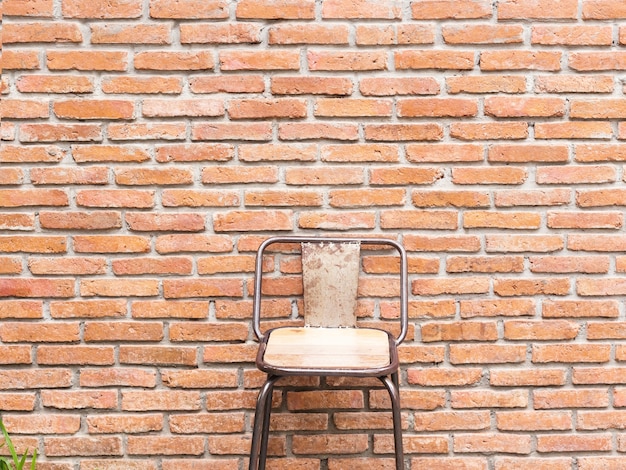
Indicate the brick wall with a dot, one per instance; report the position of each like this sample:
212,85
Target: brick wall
148,146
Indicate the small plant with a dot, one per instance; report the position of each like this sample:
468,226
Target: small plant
17,463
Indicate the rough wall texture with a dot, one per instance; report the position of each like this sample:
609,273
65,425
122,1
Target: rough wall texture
149,145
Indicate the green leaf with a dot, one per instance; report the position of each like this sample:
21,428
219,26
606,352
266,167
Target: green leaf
33,463
7,439
21,463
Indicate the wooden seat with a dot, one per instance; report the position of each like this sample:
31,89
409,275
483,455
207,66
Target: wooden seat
330,344
327,348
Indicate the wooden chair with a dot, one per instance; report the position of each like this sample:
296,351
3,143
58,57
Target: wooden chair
329,344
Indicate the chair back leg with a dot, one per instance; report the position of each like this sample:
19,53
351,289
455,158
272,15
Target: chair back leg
260,431
394,393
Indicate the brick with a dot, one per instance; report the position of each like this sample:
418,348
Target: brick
600,198
189,9
330,444
207,423
489,130
25,288
110,244
169,309
110,61
165,445
75,355
501,175
24,109
229,354
87,308
190,464
390,86
88,175
106,424
10,265
551,286
232,131
17,401
610,286
572,35
32,154
67,266
174,61
574,84
33,197
117,464
553,443
240,83
131,34
524,107
179,107
206,198
582,264
401,34
142,85
342,9
108,153
186,222
267,108
540,331
242,33
482,34
274,10
451,420
491,442
209,379
597,109
158,355
82,446
150,131
603,10
293,85
37,8
133,266
437,107
486,84
610,463
21,309
597,61
259,60
537,9
118,376
527,377
450,9
80,220
41,33
610,220
12,355
119,287
180,243
512,198
525,463
35,378
326,221
285,33
305,131
352,107
101,10
495,307
439,60
486,354
571,353
122,331
65,400
578,309
319,60
60,132
32,244
520,60
20,60
459,331
407,175
252,220
208,333
598,153
486,264
429,377
509,220
534,421
131,198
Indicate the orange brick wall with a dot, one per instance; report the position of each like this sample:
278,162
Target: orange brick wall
148,146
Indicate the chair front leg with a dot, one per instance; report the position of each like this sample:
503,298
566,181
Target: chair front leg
394,394
260,432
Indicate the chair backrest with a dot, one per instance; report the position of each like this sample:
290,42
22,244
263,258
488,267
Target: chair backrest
330,269
330,277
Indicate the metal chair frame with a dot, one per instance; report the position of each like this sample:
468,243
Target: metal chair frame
387,375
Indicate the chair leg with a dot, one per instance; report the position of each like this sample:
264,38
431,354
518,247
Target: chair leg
258,447
394,394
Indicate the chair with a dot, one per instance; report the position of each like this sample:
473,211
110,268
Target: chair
329,344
